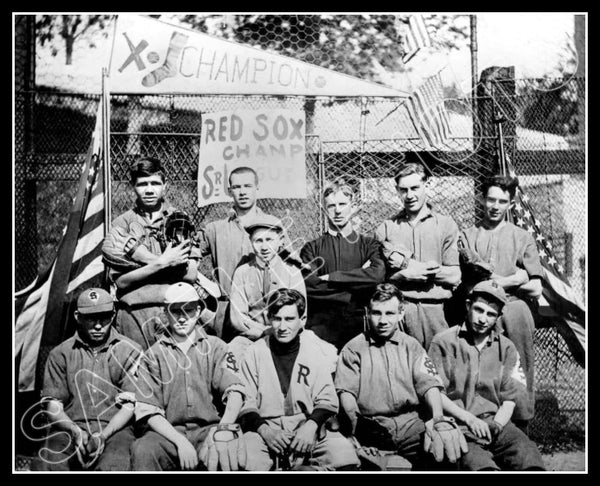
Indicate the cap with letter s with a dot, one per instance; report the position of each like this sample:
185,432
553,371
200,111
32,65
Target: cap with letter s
95,301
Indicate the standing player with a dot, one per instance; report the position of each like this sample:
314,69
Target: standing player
342,269
183,380
140,264
420,247
290,394
506,254
389,389
227,240
484,381
256,280
89,392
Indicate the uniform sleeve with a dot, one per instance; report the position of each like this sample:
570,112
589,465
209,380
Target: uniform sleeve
424,372
297,281
324,394
55,377
450,243
206,235
373,274
129,356
119,244
530,260
347,375
150,382
442,361
239,308
388,247
513,386
226,372
249,372
309,256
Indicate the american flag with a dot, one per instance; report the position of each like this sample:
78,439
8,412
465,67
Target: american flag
428,113
416,36
44,308
562,299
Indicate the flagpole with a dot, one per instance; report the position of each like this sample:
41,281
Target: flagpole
105,100
473,19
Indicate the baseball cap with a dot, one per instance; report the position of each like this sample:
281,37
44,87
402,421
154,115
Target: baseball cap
180,293
95,301
265,221
492,289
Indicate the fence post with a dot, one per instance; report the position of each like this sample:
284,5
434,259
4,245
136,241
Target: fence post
495,96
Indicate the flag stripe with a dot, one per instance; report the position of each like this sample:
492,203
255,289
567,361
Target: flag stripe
91,270
416,37
89,242
28,333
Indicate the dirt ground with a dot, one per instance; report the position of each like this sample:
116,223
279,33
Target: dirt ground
565,461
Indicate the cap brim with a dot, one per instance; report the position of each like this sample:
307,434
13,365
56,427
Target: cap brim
97,309
250,229
489,294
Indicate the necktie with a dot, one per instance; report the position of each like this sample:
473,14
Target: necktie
266,280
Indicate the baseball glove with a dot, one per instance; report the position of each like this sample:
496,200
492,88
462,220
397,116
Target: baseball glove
224,446
443,438
178,227
475,268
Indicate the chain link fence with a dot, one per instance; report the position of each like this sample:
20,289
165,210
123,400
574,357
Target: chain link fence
364,140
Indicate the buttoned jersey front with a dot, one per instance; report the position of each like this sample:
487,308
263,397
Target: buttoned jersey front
184,387
90,381
478,380
432,236
247,293
387,377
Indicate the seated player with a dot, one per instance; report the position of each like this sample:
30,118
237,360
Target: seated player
484,381
89,393
183,380
254,281
290,395
390,391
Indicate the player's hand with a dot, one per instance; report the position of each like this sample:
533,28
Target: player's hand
175,255
276,440
444,440
188,457
304,438
81,438
396,260
478,427
418,271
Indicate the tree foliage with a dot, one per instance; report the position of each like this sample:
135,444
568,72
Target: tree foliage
69,28
345,43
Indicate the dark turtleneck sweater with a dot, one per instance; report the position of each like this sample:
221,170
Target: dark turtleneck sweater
284,356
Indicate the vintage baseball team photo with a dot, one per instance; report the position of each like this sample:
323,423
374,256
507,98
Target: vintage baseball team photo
300,243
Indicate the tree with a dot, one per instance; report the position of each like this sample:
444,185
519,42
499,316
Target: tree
345,43
69,28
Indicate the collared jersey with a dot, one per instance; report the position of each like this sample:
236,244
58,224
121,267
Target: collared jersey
386,378
311,385
247,298
507,248
183,387
90,383
478,380
342,258
432,236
